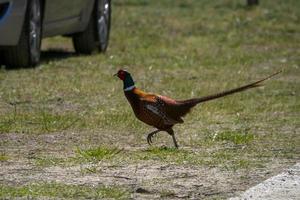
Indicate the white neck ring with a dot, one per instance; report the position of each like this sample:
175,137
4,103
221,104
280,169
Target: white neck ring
129,88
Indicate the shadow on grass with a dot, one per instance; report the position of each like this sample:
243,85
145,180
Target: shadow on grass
46,57
56,54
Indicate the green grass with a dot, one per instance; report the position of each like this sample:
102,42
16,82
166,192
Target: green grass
47,161
234,136
30,118
165,154
226,158
229,159
58,190
81,156
98,154
4,157
70,110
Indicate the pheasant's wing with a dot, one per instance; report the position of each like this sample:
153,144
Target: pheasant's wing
175,109
157,106
149,98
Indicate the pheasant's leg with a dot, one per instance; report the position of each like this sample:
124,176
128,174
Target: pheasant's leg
150,135
171,132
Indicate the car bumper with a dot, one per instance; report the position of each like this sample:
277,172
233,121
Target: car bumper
12,14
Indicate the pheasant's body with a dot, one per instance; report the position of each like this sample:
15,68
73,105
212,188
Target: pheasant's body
163,112
156,110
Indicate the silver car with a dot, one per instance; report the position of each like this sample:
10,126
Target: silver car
23,23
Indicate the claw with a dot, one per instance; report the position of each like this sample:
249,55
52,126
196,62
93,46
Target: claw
149,139
150,135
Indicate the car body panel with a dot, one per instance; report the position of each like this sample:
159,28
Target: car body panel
12,22
60,17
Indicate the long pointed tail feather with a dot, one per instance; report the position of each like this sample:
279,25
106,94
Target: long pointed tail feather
228,92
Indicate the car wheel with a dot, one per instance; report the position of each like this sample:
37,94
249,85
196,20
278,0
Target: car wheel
103,23
96,35
27,52
1,59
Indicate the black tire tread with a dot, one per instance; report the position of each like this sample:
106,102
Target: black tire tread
87,42
103,49
19,56
16,56
84,42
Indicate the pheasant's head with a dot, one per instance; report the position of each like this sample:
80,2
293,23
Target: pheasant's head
126,78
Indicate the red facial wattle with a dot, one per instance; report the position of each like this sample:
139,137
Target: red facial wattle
121,75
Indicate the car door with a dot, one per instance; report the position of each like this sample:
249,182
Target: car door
61,16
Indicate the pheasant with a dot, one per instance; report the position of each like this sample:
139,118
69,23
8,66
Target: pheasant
163,112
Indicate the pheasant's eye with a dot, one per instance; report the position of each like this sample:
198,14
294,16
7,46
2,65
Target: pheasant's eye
121,74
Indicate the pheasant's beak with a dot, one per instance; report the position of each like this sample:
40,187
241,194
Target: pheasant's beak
116,74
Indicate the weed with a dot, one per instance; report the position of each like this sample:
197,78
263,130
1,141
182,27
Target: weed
97,154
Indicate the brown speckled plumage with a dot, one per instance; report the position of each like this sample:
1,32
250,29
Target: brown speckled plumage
154,110
163,112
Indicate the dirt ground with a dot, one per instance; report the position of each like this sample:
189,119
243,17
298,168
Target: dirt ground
147,180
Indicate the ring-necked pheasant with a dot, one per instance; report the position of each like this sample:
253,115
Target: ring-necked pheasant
163,112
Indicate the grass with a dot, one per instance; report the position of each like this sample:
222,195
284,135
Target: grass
234,136
168,155
72,111
230,159
36,118
89,155
3,157
59,190
47,161
98,154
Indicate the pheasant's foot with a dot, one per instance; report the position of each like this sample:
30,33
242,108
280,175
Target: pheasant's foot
175,142
150,135
171,132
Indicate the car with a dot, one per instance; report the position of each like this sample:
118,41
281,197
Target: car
23,24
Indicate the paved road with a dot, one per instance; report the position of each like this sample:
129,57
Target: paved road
285,186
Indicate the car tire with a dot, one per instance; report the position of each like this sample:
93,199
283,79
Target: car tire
96,36
27,52
1,59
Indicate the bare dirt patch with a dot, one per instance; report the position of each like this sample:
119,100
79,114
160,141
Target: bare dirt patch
144,179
